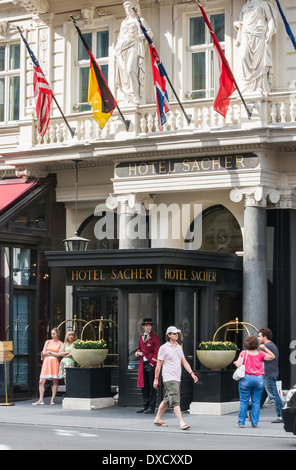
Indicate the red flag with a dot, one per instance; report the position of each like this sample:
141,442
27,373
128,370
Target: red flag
227,83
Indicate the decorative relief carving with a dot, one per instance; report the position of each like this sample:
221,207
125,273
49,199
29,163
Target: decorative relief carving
88,15
43,49
7,30
34,6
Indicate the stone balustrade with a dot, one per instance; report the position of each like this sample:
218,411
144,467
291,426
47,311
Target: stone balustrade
273,109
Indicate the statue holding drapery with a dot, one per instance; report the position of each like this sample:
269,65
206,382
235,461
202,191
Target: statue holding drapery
256,26
130,56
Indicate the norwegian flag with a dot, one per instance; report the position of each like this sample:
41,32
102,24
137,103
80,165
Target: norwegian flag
159,78
42,93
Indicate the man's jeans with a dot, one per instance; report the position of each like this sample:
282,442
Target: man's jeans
250,386
272,392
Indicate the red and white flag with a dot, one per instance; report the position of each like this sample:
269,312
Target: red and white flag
43,98
42,93
225,83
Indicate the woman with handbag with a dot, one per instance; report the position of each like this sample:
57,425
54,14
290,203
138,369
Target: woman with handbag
252,384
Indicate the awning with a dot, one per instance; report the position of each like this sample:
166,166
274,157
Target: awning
13,190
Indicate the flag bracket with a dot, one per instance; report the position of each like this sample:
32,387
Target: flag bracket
126,122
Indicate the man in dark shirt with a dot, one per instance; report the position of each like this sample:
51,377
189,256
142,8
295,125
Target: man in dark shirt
271,370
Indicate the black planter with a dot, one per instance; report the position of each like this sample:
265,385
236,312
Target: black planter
88,383
215,387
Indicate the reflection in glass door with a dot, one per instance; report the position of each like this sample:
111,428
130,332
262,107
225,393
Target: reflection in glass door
21,307
140,305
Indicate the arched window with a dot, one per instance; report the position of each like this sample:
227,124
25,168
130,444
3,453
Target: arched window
221,232
87,230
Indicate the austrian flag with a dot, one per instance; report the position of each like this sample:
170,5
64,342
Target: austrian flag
225,83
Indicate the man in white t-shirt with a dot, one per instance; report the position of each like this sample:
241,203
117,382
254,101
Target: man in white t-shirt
170,357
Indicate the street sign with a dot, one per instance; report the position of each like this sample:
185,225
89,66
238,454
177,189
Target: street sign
7,356
6,348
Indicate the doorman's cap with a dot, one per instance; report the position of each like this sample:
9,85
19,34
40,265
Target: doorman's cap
147,321
172,329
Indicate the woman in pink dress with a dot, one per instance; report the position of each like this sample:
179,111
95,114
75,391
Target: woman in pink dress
50,368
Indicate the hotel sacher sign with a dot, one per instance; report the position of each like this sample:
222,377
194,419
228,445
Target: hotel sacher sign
183,166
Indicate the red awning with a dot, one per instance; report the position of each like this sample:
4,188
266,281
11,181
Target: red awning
13,190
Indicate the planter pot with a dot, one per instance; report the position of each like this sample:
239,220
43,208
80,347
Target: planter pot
89,357
216,360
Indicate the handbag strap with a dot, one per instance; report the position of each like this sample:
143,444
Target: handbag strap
244,359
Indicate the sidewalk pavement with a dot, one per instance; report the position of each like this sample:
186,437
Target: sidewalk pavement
126,419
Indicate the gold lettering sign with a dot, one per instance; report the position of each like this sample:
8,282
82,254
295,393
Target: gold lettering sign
97,275
189,275
135,274
186,165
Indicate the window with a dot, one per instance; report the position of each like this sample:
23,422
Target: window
200,55
98,43
9,82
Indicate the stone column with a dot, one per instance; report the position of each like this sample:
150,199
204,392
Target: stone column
131,219
255,303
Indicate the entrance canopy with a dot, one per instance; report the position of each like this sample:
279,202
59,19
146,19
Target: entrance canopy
115,268
13,190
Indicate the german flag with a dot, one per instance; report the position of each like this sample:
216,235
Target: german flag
100,97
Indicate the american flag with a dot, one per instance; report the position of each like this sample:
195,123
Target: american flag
159,78
42,93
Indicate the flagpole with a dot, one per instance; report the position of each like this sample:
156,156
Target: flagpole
249,113
125,121
72,130
187,116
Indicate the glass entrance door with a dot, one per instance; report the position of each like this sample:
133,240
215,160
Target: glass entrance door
21,341
92,305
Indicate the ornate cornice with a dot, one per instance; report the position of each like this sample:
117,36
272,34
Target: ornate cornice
36,7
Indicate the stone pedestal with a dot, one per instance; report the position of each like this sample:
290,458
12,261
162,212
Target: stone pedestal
215,393
88,389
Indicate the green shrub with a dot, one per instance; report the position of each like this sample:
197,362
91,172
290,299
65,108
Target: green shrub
217,346
79,344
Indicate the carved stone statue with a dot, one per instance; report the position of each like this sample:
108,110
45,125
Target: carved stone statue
256,27
130,56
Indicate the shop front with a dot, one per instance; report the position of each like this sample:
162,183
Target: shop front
31,221
196,291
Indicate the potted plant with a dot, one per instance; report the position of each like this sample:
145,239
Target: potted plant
89,353
216,355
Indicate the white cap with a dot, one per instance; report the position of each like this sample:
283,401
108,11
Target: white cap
172,329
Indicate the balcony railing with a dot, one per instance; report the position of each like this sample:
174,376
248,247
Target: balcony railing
274,109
